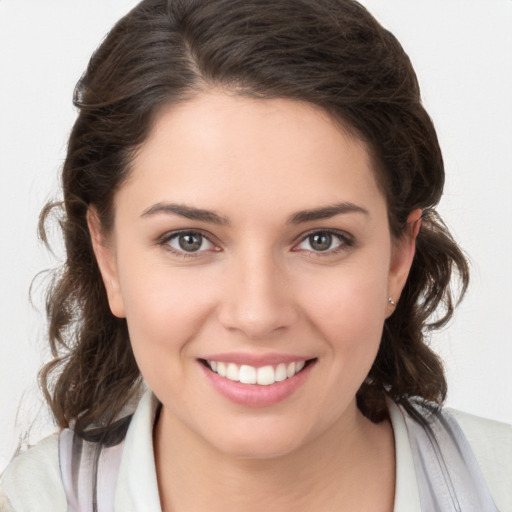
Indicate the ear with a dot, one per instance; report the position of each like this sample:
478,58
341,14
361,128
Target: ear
106,259
403,255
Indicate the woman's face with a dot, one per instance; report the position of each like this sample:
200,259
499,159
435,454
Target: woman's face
251,244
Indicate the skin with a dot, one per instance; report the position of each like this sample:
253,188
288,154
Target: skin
257,286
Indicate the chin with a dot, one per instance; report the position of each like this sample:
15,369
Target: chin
260,440
263,449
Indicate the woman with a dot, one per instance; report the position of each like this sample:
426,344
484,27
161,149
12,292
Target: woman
249,218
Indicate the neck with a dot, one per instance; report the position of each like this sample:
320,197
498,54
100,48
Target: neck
349,467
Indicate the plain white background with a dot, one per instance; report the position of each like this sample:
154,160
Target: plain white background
462,52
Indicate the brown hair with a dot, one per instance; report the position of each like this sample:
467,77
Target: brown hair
331,53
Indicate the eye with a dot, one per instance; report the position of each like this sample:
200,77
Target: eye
186,243
325,241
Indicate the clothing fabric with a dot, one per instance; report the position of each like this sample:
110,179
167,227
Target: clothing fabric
41,479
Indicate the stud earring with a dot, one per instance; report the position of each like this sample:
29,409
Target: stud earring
392,302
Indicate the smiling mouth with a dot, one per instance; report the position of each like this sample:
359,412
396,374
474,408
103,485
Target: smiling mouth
263,376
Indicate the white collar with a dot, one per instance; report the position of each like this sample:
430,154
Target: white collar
137,487
407,498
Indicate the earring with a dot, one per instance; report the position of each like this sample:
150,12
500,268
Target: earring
392,302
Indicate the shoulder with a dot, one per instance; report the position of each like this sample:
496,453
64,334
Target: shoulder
491,442
32,480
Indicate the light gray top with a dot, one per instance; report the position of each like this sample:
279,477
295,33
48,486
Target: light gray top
33,482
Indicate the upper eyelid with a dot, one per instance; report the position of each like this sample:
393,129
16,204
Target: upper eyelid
166,238
331,231
347,241
172,234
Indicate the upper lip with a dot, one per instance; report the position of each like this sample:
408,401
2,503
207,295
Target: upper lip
255,360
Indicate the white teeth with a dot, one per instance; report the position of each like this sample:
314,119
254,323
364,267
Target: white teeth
266,376
232,372
247,374
290,370
263,376
221,369
281,372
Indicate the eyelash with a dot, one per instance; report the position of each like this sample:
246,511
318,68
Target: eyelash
165,240
346,242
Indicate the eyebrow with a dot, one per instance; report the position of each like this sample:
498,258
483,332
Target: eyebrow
189,212
193,213
326,212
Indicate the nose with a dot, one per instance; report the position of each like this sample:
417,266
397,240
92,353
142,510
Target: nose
257,298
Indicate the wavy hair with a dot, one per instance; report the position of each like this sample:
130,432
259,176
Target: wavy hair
330,53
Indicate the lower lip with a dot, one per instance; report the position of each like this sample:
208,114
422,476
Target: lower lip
254,395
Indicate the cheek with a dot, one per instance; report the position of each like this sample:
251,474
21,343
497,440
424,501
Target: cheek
164,310
348,307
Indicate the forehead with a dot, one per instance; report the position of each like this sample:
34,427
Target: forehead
276,151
